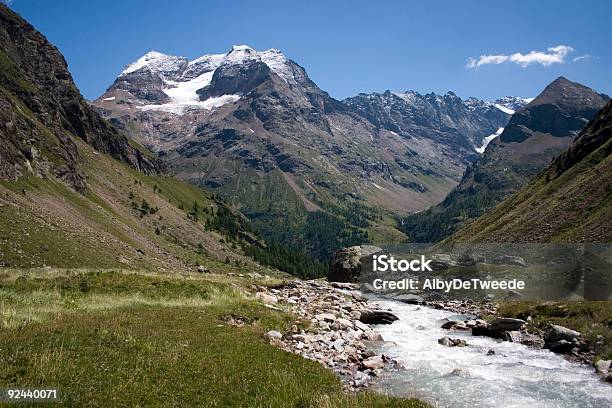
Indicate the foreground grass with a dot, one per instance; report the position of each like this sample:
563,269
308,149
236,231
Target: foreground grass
125,339
588,317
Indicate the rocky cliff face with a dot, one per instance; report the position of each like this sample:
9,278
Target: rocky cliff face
41,111
534,135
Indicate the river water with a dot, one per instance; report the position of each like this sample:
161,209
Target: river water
515,376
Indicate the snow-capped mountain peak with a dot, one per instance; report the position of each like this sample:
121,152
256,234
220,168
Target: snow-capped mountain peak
156,62
238,48
239,54
175,84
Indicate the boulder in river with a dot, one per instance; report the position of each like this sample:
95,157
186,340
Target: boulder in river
448,342
506,324
377,317
454,325
604,369
484,330
346,265
372,335
560,346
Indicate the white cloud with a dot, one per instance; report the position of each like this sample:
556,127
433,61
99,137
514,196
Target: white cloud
485,60
582,57
553,55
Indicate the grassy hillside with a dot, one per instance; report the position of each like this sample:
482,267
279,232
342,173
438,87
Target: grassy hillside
125,220
571,201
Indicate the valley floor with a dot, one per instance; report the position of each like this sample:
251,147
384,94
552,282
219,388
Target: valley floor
117,338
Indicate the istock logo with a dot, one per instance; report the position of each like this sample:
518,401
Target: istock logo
383,263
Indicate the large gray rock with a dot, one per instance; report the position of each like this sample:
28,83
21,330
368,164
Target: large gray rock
506,324
560,346
448,342
373,363
604,369
377,317
484,330
345,265
273,335
556,333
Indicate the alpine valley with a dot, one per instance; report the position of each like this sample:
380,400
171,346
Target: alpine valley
197,235
310,171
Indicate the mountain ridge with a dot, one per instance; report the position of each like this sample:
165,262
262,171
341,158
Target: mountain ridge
535,134
570,201
42,109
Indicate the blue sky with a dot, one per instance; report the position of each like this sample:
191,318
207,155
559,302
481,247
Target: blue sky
347,47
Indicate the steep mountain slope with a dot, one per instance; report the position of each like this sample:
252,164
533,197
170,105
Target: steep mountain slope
571,201
41,110
304,167
534,135
65,200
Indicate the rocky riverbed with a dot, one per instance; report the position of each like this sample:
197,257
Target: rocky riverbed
481,319
332,327
336,326
450,367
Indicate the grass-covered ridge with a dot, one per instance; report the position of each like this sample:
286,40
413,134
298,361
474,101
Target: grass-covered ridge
132,339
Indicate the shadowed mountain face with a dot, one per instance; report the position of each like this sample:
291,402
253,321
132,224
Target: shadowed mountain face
568,202
561,110
534,135
41,111
253,127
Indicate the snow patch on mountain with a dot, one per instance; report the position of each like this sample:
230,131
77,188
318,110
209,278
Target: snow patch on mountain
277,62
184,97
511,104
239,54
504,109
203,64
180,108
488,140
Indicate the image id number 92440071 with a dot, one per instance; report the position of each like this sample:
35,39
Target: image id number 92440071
29,394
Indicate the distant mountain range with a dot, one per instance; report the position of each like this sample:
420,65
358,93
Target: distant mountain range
253,127
535,134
